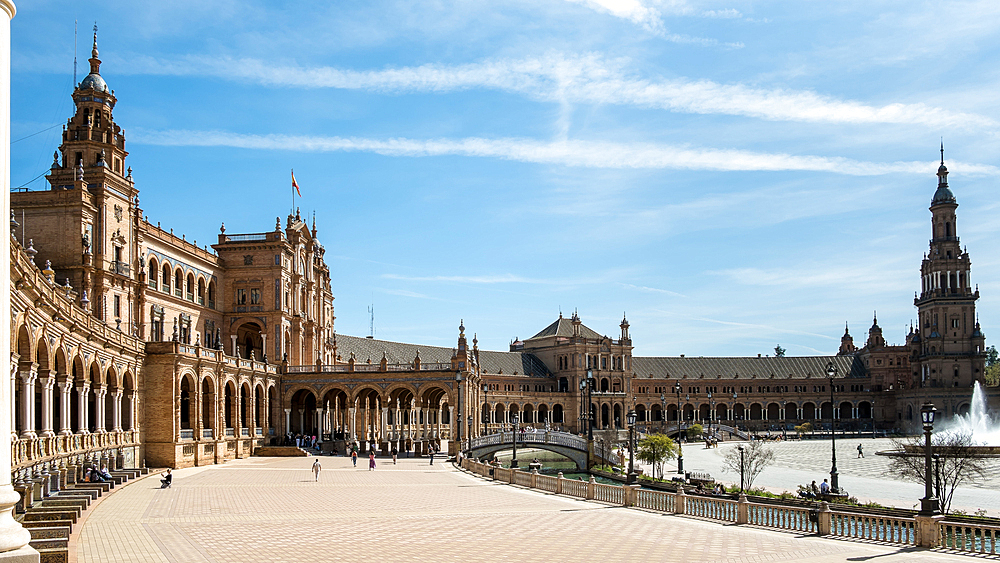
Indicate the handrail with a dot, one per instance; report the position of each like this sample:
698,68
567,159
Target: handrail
970,538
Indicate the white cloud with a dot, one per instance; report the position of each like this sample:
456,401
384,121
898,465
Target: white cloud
502,278
633,10
585,79
575,153
651,289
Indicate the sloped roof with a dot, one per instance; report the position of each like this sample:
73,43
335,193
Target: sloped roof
564,327
507,363
789,367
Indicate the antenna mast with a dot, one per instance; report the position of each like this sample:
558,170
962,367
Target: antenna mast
74,53
371,321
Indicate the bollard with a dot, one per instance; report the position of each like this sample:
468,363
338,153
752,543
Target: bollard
534,478
680,500
743,510
928,530
590,488
559,482
825,524
631,496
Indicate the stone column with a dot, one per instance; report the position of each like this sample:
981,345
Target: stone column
13,538
28,378
47,384
99,414
288,420
454,425
302,421
65,389
116,410
82,391
352,423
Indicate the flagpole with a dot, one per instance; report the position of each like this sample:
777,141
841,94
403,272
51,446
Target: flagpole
293,191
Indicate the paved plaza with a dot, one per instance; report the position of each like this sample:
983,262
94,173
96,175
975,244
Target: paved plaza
868,478
270,509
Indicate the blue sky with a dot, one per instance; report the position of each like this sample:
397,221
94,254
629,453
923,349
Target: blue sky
730,174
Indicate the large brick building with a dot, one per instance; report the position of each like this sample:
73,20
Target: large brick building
133,344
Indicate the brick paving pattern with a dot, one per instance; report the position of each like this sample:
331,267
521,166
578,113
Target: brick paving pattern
269,509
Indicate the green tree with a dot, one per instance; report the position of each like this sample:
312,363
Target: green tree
779,351
992,374
694,431
655,449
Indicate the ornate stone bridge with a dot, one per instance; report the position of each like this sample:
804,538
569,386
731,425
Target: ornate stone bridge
570,445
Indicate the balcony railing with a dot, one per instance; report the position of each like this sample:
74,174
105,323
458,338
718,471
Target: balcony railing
207,433
120,268
187,434
231,432
244,431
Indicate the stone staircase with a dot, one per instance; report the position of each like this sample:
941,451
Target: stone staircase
49,513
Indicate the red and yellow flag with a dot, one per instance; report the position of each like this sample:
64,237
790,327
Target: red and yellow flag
295,184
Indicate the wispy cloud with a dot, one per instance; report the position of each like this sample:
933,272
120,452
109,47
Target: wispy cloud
407,293
586,79
648,14
575,153
651,290
635,11
502,278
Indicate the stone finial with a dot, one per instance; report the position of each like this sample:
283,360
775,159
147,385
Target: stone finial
79,172
222,229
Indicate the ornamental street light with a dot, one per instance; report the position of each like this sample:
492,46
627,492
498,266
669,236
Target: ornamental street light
732,414
831,372
929,505
680,450
710,412
458,427
740,447
590,414
513,460
630,417
784,420
487,413
469,420
663,412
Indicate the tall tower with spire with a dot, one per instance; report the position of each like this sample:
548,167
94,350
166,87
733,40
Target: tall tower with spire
91,207
950,347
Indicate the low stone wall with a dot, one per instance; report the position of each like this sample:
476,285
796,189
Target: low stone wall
279,451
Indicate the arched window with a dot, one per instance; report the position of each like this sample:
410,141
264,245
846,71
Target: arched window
201,291
190,287
211,294
153,267
166,278
179,283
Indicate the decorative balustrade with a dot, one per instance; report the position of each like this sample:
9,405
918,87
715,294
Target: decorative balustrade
187,434
28,451
874,527
782,517
612,494
969,538
712,508
964,537
551,437
368,368
230,432
656,500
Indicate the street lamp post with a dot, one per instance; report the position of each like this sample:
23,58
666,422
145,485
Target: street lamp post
740,447
663,413
710,412
513,459
631,416
831,372
458,426
929,505
590,415
469,419
732,414
784,421
487,412
680,450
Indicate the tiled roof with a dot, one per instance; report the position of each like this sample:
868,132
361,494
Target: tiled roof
512,363
508,363
789,367
564,327
395,352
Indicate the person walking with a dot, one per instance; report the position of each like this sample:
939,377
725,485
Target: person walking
861,452
371,461
354,456
316,469
395,452
430,450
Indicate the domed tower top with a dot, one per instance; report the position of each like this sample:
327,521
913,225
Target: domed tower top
943,194
94,80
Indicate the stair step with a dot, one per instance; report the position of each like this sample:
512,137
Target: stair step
29,524
47,515
52,502
53,555
50,544
92,494
50,532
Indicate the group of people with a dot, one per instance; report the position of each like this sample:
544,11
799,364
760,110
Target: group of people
94,475
301,440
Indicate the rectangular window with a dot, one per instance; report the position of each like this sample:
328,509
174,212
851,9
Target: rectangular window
254,296
954,323
241,297
118,307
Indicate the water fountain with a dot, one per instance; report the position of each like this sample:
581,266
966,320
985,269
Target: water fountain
984,429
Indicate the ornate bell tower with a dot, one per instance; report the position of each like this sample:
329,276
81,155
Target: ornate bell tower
951,352
94,205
